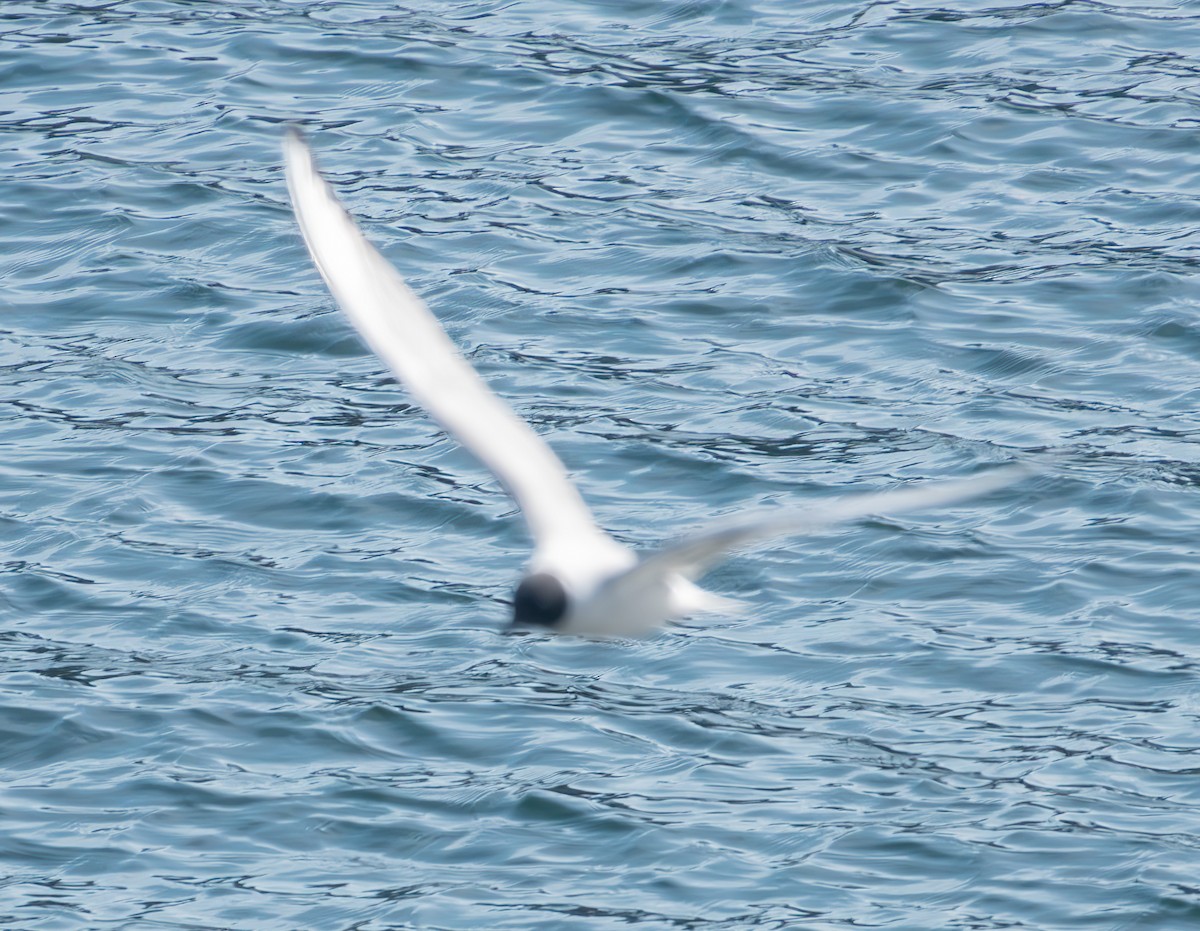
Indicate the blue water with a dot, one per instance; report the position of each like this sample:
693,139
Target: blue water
721,254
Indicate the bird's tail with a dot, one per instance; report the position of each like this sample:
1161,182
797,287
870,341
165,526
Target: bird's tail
689,598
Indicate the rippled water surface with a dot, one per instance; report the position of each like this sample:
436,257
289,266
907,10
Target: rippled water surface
721,254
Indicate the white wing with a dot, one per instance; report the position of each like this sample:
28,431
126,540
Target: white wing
399,327
692,555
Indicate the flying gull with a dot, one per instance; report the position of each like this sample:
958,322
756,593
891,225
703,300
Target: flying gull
579,580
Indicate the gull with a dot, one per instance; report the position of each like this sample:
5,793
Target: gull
579,579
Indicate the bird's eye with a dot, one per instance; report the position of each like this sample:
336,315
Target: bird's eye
540,600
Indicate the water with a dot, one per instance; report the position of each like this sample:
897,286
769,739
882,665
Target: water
721,255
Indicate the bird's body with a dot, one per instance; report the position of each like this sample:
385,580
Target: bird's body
579,579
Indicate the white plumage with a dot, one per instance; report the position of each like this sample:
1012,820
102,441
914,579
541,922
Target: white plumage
580,580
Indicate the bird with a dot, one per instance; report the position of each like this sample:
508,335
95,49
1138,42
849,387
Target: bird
579,580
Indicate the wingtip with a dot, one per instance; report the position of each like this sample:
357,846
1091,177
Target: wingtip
1009,474
296,150
293,135
304,181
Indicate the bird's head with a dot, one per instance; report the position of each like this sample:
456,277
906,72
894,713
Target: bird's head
540,601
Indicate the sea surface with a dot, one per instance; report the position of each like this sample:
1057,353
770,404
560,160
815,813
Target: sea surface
254,665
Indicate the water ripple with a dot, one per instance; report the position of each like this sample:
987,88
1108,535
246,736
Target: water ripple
252,666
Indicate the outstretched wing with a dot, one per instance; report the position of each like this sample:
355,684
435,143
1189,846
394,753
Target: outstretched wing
404,334
692,555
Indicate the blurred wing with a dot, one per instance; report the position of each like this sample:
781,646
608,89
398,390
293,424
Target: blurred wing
404,334
694,554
